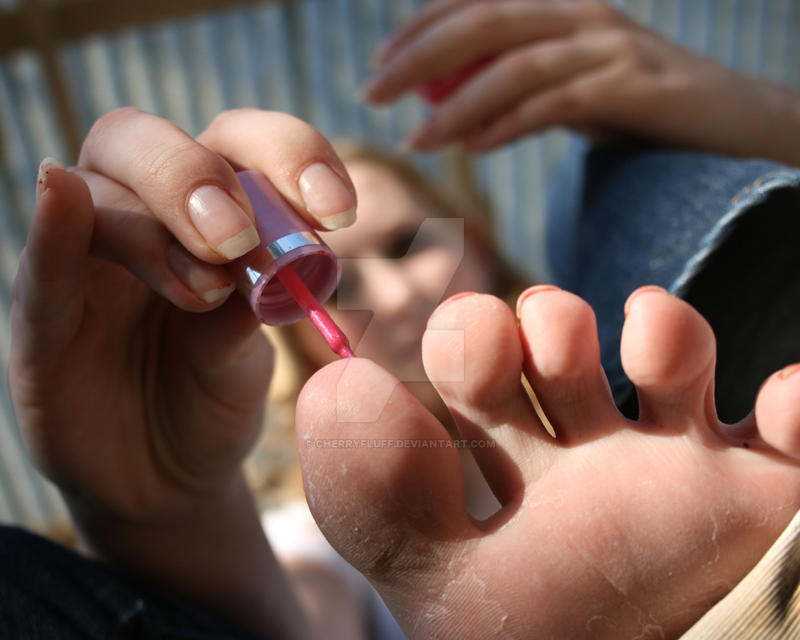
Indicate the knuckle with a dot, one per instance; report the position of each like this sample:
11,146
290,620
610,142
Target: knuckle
107,123
484,18
162,166
223,118
626,44
523,64
599,11
571,101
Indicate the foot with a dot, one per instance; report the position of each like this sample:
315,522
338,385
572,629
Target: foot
616,529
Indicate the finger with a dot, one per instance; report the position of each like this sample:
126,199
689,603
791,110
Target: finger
519,74
476,31
231,360
427,15
49,286
188,188
294,156
573,104
127,232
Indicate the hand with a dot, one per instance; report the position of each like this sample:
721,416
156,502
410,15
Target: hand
580,64
137,379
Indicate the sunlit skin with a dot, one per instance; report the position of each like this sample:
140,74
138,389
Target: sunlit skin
616,529
398,273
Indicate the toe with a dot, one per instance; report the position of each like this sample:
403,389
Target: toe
668,352
473,356
378,476
562,361
778,411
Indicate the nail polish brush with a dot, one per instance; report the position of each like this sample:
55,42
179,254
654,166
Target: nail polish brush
329,330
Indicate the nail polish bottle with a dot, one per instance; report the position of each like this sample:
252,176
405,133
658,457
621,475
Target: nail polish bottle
292,272
286,239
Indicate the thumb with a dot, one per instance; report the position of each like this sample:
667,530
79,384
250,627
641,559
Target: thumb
49,286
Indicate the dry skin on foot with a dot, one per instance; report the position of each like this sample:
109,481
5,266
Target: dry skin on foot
616,529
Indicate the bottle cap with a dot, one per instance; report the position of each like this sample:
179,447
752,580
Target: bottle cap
286,239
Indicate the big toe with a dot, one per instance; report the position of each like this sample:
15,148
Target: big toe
380,479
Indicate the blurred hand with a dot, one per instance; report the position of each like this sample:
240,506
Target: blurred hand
580,64
137,378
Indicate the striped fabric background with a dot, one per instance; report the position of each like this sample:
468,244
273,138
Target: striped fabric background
306,57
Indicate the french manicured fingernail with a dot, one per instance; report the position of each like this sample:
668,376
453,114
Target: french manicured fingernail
201,278
223,223
788,371
537,288
639,291
41,179
326,197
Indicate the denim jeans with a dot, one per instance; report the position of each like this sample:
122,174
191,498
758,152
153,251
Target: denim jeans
722,233
50,593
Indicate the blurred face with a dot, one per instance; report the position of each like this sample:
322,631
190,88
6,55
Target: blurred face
400,259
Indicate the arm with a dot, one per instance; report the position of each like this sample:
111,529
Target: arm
582,65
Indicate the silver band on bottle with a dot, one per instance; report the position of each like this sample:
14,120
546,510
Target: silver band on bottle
282,246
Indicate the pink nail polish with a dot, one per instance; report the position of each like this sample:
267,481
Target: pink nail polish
644,289
457,296
292,272
453,298
537,288
788,371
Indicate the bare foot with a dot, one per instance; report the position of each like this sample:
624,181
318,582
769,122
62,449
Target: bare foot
617,529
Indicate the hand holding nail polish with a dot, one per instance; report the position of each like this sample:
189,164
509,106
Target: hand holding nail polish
500,70
138,376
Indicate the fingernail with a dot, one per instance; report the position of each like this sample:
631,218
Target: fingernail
326,197
41,179
423,137
381,53
223,223
367,91
787,371
201,278
538,288
639,291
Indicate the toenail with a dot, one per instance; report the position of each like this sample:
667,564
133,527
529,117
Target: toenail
453,298
457,296
646,289
537,288
787,371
